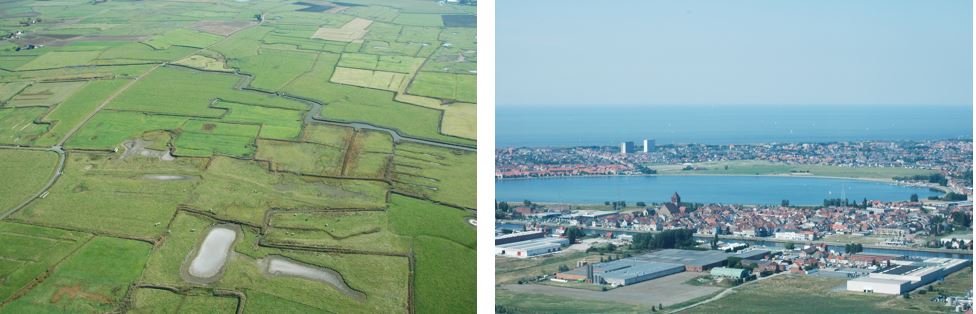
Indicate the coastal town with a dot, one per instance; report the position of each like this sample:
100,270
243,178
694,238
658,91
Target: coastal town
911,224
949,160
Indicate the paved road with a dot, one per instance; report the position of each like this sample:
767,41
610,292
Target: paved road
57,174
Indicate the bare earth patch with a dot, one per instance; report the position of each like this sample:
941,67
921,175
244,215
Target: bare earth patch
352,31
75,293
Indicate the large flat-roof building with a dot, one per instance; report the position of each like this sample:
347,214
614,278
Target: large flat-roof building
699,260
621,272
653,265
530,248
518,236
906,275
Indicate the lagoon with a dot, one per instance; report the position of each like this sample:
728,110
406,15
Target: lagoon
724,189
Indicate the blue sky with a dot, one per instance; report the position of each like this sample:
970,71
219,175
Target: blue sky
733,52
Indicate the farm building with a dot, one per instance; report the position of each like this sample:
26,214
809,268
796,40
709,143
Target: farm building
906,275
530,248
734,273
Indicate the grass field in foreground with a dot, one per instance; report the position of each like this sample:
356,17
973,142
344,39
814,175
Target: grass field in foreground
758,167
28,251
540,303
25,172
94,279
800,294
443,243
104,194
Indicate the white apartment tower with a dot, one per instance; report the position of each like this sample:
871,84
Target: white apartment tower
648,145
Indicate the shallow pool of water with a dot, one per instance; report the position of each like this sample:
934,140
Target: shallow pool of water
280,266
213,253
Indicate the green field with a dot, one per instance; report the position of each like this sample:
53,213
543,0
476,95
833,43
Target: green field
448,86
93,279
72,111
540,303
29,251
91,195
26,173
358,230
440,174
179,115
442,241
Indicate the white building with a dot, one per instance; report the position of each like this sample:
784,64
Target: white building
626,148
530,248
878,285
905,276
648,145
794,236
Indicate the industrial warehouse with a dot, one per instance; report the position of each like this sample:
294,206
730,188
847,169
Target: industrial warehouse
527,244
653,265
906,275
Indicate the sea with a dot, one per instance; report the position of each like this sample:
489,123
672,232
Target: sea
757,190
608,125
